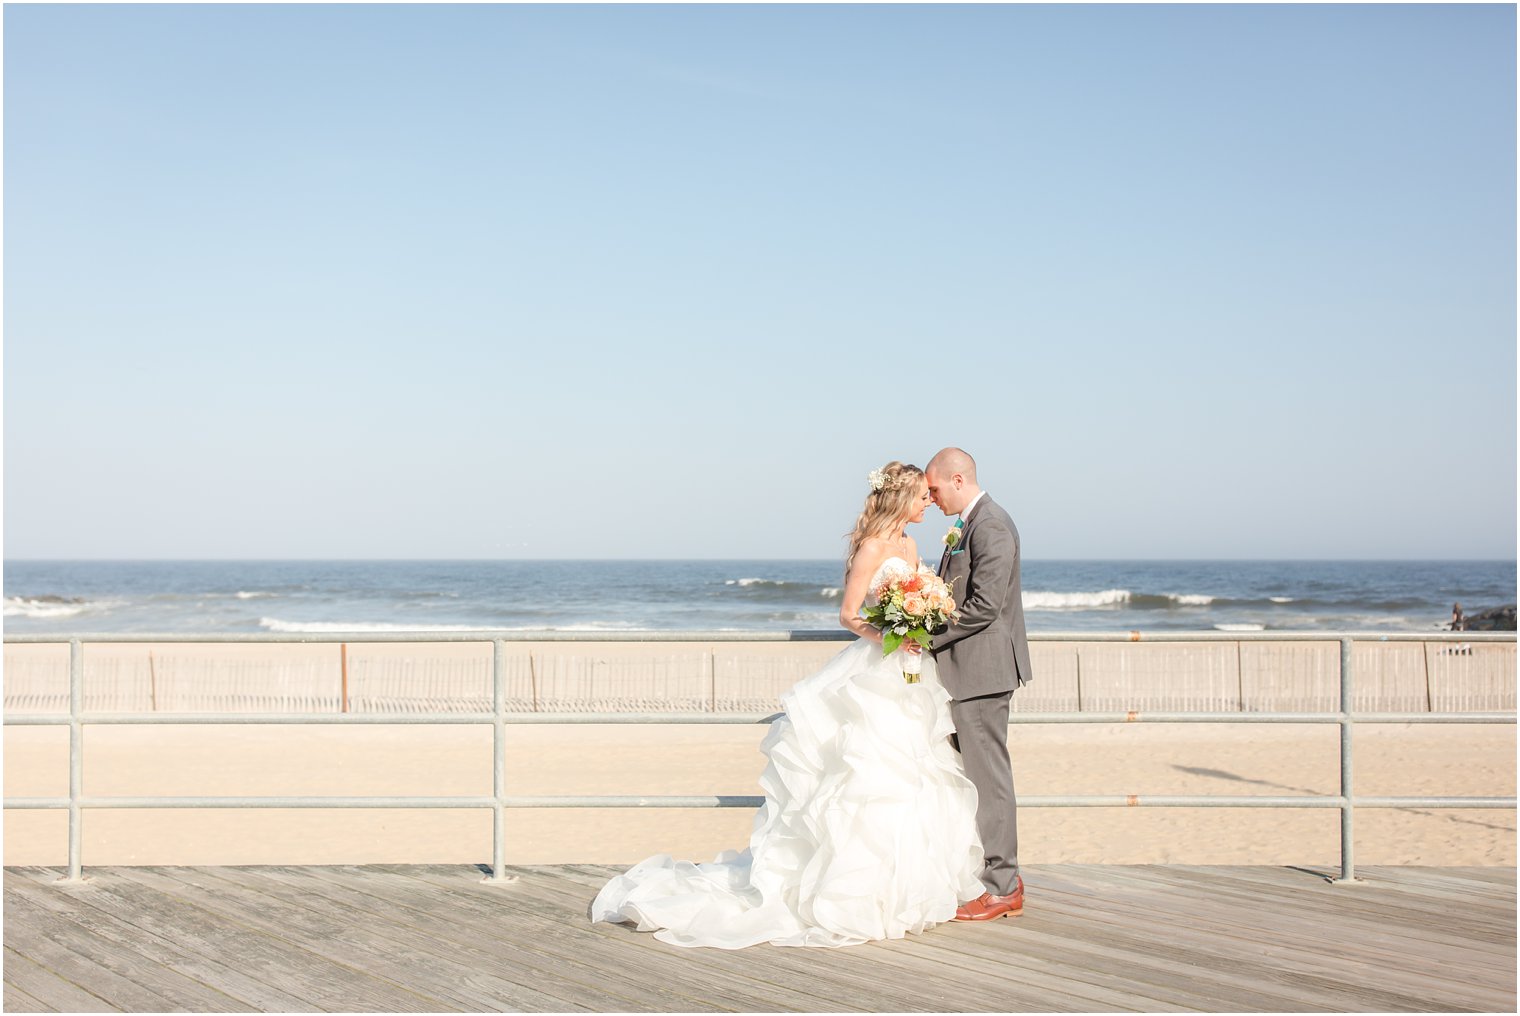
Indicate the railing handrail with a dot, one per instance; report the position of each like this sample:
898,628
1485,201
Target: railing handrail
500,801
798,635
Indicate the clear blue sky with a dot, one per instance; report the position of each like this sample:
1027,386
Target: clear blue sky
385,281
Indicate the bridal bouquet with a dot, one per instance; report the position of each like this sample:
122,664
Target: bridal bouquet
910,608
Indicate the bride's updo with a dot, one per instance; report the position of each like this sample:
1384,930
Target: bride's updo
894,491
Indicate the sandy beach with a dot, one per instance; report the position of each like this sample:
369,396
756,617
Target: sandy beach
623,759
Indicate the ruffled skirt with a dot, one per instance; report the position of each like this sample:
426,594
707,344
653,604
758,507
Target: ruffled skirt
868,830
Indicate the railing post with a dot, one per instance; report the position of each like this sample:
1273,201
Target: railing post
710,673
76,760
1348,810
499,765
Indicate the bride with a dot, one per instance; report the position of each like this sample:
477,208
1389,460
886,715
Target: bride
868,830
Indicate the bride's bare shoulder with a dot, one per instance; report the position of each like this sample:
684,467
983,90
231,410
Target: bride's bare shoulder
872,552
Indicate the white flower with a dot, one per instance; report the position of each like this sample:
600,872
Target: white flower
878,479
953,537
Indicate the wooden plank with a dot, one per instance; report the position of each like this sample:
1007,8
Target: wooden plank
410,971
1037,934
1147,956
1391,921
1150,970
53,987
304,981
897,968
966,980
902,969
1182,989
1148,938
98,911
56,900
1106,914
1270,945
810,969
90,963
1242,980
50,988
1288,903
1420,909
1240,935
177,990
1490,875
560,946
444,928
1470,884
560,930
16,1000
548,897
365,989
1496,884
970,948
1283,929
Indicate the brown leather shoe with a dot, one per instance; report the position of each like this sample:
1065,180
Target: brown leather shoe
989,908
967,911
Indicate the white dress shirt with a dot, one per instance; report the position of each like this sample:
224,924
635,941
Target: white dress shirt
966,511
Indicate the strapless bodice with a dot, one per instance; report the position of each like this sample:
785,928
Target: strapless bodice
893,563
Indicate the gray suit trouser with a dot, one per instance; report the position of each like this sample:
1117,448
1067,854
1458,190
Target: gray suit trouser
981,736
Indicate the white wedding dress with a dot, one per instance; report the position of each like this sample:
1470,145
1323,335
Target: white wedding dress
868,830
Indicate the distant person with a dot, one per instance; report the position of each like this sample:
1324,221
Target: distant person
869,827
1458,623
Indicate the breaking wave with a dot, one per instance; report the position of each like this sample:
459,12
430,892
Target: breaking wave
274,624
1036,600
777,590
49,607
1111,598
313,627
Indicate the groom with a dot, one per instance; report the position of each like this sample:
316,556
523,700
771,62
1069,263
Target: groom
981,659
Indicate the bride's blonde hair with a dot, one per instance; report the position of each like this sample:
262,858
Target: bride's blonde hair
894,491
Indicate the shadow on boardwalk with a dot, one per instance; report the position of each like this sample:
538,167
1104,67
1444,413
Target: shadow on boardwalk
433,938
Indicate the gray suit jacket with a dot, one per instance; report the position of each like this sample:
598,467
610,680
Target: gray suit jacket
986,652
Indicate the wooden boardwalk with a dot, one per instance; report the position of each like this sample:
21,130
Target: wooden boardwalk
400,938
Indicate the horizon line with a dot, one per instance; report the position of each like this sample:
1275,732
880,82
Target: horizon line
632,560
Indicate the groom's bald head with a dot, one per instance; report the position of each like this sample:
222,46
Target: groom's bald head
949,461
952,479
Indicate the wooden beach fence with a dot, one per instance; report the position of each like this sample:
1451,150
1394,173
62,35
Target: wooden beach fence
1072,675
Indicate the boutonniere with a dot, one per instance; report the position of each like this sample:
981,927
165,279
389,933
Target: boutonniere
953,537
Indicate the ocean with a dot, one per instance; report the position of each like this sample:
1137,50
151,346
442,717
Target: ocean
1059,596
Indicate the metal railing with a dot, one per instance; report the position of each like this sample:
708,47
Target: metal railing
499,718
